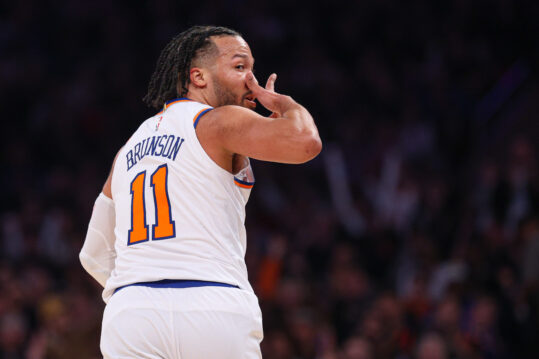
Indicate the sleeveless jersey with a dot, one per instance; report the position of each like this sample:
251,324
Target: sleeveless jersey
178,214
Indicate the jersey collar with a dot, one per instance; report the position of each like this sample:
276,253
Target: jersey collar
172,102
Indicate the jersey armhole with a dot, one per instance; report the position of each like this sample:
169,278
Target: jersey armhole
203,152
199,115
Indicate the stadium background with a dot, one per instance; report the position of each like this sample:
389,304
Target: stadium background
415,234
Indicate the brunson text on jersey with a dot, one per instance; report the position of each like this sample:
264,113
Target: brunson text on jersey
162,146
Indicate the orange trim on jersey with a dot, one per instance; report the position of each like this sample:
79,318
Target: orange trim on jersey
242,185
176,101
172,102
199,115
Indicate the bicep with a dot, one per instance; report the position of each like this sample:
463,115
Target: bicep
242,131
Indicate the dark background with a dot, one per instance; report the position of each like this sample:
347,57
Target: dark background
414,234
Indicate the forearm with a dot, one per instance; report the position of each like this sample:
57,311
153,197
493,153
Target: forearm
97,255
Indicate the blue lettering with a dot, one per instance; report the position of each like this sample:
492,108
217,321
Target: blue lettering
129,157
160,146
163,145
137,152
154,144
142,154
174,149
166,148
147,149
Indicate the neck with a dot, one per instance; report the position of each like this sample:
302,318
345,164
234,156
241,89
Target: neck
199,96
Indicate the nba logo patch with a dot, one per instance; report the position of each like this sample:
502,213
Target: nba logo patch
158,123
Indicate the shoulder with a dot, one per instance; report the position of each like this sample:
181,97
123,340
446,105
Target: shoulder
232,111
228,118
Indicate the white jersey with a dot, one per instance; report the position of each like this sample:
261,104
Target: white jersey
178,214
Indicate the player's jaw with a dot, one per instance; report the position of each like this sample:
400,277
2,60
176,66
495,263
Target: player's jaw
230,97
226,96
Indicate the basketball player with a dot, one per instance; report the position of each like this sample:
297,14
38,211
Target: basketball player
167,237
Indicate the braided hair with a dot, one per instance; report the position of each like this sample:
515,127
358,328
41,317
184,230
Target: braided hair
171,75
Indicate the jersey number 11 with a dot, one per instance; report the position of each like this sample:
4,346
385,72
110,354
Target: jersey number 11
164,227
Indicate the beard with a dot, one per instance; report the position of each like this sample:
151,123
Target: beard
223,95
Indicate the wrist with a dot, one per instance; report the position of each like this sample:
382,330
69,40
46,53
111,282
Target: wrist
287,104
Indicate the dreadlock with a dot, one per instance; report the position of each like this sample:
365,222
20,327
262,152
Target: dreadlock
171,75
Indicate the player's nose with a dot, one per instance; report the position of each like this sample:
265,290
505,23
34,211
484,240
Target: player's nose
249,76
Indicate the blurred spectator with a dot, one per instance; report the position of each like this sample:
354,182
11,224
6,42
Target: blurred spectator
13,334
357,348
431,346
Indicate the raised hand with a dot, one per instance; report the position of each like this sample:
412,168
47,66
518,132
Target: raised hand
270,86
267,97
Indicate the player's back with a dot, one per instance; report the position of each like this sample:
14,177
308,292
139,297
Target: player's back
178,214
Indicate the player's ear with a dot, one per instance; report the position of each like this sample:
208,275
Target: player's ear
198,77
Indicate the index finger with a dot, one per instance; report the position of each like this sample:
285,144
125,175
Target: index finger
252,83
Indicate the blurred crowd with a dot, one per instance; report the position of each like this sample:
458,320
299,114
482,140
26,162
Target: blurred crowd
415,233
